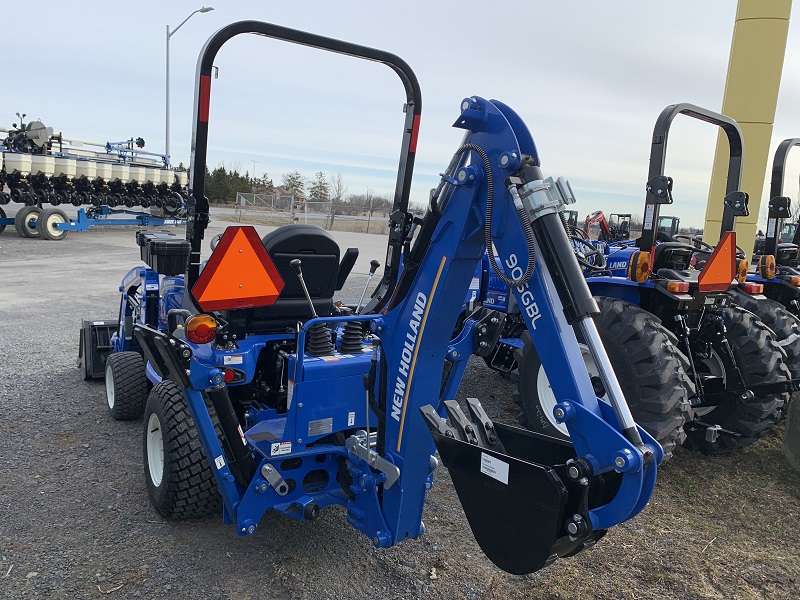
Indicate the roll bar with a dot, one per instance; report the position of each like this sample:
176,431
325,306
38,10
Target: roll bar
659,187
779,205
198,204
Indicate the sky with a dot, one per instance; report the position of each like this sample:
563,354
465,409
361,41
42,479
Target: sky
588,78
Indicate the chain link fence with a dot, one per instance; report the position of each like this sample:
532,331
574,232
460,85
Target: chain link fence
282,208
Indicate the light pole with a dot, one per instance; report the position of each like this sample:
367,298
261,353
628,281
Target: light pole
204,9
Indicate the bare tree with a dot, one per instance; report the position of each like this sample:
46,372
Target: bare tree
337,188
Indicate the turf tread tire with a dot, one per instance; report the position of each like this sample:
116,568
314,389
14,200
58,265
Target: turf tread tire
188,489
130,385
651,370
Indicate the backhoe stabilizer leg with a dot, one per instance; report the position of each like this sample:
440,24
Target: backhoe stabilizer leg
529,498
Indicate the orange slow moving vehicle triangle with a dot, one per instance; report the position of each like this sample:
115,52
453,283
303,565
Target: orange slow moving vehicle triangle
720,270
239,274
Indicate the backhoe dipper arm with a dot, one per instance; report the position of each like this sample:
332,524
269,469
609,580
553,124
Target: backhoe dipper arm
198,204
779,205
659,187
494,184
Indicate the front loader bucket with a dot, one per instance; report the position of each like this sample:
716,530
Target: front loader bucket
518,508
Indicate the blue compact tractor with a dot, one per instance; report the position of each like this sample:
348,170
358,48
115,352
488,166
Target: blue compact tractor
266,394
700,369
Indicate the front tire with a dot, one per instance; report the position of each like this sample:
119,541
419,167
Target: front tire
760,360
126,385
179,481
651,371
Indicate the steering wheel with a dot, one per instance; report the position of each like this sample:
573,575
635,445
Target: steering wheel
583,257
696,244
704,246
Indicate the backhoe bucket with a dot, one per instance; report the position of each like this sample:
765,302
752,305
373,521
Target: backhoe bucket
513,485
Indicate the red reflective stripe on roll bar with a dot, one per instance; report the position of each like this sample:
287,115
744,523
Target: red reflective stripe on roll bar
414,133
205,97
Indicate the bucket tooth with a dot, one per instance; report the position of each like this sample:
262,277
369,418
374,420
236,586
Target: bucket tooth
465,429
485,427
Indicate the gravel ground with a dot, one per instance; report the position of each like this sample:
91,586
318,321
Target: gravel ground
75,520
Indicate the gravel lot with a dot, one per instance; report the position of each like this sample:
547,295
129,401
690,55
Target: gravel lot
75,520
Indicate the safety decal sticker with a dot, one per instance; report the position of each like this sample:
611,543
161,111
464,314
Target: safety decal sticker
280,448
235,359
494,468
219,461
351,419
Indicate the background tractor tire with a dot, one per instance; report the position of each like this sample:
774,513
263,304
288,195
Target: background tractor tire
2,216
126,385
761,360
652,372
783,324
179,480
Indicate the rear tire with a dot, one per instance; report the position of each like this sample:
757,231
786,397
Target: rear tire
2,216
651,371
126,385
179,480
761,360
783,324
46,224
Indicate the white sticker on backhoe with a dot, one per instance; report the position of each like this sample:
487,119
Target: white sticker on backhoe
234,359
220,462
494,468
351,419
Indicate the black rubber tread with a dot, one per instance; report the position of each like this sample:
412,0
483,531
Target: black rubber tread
19,219
783,324
2,216
130,385
188,489
652,373
762,361
43,224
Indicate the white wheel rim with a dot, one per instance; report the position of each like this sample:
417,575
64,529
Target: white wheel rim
34,214
110,387
52,221
155,450
547,399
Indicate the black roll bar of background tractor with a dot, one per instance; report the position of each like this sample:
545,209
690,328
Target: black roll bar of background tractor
659,187
779,205
197,205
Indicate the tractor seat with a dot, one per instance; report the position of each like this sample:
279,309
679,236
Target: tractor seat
672,255
788,255
322,273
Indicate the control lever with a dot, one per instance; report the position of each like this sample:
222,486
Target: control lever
319,336
296,267
373,266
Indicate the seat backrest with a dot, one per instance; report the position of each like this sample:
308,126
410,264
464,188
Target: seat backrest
319,256
672,255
